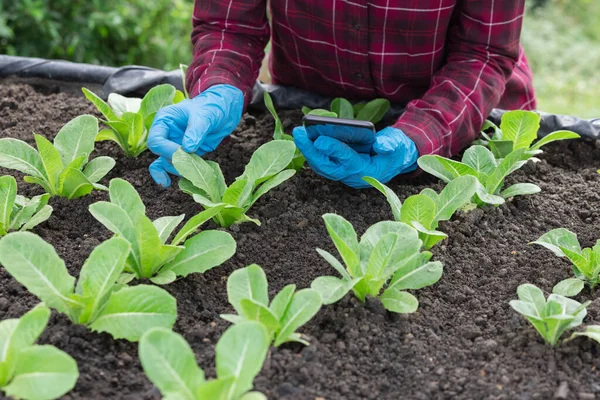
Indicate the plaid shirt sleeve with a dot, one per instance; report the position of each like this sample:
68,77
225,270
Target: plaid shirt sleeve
228,41
482,51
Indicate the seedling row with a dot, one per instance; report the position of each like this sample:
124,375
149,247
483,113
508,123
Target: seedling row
389,261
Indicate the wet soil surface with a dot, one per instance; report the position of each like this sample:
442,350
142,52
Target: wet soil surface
464,342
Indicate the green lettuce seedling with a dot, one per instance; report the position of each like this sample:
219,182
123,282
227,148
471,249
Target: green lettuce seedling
278,134
586,262
170,364
97,301
518,129
388,254
151,257
18,213
425,210
62,168
373,111
130,118
552,317
205,182
479,162
30,371
247,290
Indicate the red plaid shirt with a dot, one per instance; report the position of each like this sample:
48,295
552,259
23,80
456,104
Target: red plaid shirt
449,61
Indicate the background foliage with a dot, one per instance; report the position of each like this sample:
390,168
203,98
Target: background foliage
561,37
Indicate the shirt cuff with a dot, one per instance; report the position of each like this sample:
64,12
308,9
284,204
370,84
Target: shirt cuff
218,77
424,130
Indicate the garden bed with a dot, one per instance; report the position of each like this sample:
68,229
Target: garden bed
464,342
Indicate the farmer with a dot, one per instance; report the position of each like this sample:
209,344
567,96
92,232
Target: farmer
450,62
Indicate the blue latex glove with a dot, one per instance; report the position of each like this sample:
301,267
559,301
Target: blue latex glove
198,125
393,153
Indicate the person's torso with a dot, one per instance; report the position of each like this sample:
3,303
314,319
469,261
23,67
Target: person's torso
360,49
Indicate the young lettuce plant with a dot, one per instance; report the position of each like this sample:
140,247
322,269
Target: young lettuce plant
62,168
586,262
30,371
205,182
247,290
130,118
278,134
170,364
373,111
479,162
389,252
18,213
151,257
552,317
518,129
97,301
425,210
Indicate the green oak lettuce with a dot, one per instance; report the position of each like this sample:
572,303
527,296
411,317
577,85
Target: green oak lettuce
18,213
373,111
585,262
152,256
425,210
552,317
61,168
479,162
130,118
30,371
298,161
387,258
97,301
518,129
204,180
169,362
247,290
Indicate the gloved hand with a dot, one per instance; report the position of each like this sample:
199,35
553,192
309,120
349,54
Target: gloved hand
360,139
198,125
393,153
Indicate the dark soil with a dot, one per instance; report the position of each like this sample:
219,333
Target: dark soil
464,342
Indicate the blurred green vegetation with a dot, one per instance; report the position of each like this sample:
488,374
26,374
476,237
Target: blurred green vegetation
562,42
561,38
155,33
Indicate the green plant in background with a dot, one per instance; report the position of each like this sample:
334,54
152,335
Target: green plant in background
298,161
205,182
518,129
30,371
97,301
479,162
586,262
107,32
62,168
248,293
553,317
18,213
170,364
425,210
130,118
373,111
388,254
150,256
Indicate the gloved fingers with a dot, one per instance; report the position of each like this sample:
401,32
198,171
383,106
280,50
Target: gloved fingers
200,126
159,171
164,137
348,159
318,161
389,140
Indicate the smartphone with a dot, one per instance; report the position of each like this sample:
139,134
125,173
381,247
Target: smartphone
361,139
309,120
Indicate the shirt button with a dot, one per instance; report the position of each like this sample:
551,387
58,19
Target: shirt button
359,75
356,26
